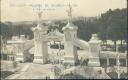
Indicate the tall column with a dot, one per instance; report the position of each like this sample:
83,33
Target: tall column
95,49
40,42
41,51
70,32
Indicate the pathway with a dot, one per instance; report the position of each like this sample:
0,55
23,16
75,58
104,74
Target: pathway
21,71
33,71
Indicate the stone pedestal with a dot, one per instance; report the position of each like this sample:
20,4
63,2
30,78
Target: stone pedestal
41,53
38,59
69,60
94,50
94,62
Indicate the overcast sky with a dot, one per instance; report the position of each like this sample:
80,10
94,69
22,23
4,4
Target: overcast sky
20,10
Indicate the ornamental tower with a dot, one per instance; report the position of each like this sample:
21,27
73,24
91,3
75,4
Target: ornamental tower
70,34
40,41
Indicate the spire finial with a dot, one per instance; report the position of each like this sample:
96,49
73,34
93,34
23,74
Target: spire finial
39,15
39,12
69,12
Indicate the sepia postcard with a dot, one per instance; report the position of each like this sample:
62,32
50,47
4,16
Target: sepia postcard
63,39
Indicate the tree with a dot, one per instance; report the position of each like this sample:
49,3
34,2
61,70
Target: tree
113,25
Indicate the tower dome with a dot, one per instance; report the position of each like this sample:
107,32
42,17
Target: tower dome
70,26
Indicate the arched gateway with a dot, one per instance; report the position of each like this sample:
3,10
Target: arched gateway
71,42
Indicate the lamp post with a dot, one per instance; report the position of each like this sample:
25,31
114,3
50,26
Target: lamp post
118,63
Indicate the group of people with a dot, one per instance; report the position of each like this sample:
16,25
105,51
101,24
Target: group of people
83,61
